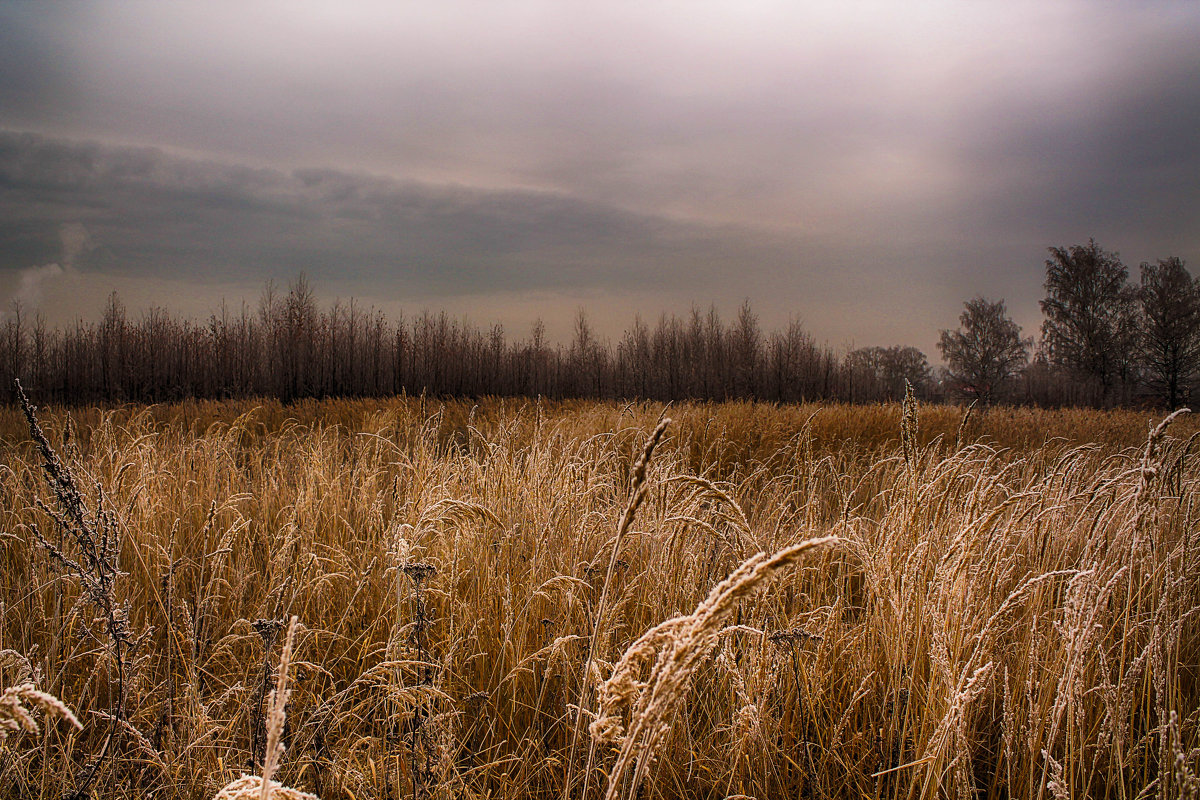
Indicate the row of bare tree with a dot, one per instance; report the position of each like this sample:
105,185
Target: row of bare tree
1103,343
290,348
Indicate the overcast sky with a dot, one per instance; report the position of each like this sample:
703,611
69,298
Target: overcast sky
864,167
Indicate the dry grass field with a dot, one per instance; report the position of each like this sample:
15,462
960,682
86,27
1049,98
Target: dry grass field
507,600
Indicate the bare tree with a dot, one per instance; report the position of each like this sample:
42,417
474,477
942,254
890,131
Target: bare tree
880,373
795,365
13,350
905,364
633,358
1169,333
587,359
114,349
1089,325
746,352
985,353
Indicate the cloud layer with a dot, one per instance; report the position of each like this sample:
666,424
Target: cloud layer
144,211
834,161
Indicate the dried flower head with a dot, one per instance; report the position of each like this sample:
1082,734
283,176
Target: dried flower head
419,571
16,709
249,787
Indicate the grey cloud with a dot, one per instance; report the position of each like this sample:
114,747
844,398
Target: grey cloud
150,212
792,115
1120,162
643,107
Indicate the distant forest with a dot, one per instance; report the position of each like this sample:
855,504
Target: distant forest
288,347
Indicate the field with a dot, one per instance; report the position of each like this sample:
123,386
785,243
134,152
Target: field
508,600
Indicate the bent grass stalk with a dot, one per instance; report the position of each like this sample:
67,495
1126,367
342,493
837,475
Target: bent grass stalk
681,643
638,489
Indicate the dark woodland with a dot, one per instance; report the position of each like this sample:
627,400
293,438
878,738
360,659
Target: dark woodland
1104,343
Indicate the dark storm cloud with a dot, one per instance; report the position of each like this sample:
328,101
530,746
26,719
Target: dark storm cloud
152,213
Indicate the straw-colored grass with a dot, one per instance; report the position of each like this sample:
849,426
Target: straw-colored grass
491,597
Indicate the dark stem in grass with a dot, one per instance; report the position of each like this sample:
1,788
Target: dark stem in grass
269,630
420,744
166,719
97,539
199,629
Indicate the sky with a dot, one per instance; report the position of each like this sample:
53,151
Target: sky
862,167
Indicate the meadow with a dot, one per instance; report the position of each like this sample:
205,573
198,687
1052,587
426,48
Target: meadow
512,599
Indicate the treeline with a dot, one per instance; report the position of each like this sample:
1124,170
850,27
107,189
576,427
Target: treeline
290,348
1104,342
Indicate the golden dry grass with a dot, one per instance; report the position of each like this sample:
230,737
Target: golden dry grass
1005,609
